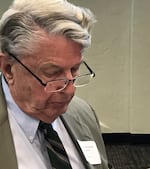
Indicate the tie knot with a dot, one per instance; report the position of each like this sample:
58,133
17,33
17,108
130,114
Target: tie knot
46,128
43,125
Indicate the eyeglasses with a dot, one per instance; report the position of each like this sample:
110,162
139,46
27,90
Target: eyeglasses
58,85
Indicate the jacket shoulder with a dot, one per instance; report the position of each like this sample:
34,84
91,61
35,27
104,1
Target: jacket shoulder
80,109
79,104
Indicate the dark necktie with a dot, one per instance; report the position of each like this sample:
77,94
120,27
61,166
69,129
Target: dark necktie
56,151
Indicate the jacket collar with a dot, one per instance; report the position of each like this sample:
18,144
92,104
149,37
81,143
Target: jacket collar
7,151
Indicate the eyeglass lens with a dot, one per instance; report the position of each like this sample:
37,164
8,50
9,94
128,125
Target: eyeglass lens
83,79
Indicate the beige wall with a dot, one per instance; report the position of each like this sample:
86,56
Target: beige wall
140,84
120,56
4,5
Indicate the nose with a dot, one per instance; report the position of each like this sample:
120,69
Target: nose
68,75
70,88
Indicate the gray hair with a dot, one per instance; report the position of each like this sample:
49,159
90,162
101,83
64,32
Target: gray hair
21,26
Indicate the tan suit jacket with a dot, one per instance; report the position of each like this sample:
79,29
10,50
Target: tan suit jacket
80,122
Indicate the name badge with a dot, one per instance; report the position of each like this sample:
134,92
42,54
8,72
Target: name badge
90,151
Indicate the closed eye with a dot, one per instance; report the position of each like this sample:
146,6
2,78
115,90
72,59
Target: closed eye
51,71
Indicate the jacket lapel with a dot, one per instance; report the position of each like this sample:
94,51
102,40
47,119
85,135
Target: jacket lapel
78,131
7,151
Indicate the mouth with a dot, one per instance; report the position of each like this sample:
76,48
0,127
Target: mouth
60,103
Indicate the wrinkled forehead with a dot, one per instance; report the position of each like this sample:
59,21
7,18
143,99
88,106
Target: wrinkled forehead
57,50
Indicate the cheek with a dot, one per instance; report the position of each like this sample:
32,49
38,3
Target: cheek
27,91
30,98
38,96
22,92
28,87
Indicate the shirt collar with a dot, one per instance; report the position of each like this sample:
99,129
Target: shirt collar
28,124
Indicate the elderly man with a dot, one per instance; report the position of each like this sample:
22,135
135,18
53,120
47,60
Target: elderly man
42,124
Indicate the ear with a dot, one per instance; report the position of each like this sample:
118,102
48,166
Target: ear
6,67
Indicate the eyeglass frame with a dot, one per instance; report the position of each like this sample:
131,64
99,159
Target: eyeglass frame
45,84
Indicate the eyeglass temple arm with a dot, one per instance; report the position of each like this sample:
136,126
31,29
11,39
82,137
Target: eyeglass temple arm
91,71
13,56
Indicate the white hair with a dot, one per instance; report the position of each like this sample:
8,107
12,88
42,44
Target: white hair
21,24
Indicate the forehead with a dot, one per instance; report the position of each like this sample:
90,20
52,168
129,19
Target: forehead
58,50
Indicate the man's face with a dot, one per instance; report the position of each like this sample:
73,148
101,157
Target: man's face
56,57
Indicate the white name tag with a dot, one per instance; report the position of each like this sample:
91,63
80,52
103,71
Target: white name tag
90,151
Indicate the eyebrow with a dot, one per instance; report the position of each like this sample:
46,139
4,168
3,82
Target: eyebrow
50,66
